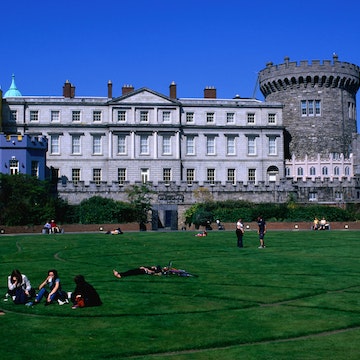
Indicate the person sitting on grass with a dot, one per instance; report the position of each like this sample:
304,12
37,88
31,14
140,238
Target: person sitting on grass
50,288
142,270
84,294
19,287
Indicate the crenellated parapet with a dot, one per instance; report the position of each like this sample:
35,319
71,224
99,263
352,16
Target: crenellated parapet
319,101
303,74
327,190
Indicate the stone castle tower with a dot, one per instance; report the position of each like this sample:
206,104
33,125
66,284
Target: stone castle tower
319,104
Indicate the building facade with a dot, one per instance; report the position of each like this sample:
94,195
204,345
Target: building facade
144,136
319,104
296,143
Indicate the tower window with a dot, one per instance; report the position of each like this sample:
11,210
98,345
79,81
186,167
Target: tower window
310,107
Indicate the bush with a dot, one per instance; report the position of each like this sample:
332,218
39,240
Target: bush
103,210
230,211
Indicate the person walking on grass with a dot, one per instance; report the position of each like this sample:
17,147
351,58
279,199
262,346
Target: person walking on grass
261,231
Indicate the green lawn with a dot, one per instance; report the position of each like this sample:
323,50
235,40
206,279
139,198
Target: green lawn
296,299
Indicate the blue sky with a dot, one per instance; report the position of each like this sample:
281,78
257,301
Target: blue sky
196,43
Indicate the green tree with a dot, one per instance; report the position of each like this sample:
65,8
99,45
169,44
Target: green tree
140,197
97,210
25,200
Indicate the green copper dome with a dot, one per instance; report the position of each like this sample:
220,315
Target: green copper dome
13,91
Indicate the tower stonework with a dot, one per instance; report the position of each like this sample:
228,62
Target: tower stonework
319,101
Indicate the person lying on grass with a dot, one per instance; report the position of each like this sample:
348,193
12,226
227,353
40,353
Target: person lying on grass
142,270
153,270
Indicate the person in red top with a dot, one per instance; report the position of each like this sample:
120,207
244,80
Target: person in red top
54,228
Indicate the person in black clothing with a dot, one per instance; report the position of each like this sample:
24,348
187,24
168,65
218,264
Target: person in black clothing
262,230
84,294
142,270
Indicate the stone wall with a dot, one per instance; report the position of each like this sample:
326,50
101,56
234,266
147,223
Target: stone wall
333,84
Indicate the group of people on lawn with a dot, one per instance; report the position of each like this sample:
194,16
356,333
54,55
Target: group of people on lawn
21,291
84,294
320,225
51,228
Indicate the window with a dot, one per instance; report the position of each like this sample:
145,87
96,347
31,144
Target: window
287,172
75,116
35,169
144,144
75,144
121,148
75,176
272,145
210,117
231,176
251,118
230,118
190,176
166,116
336,171
324,170
121,116
97,148
303,108
121,176
300,171
144,116
189,117
97,176
55,144
210,145
145,175
310,107
190,145
251,175
210,176
251,145
312,171
338,195
166,145
55,116
96,116
230,145
272,118
335,156
312,196
13,115
167,175
14,167
34,115
347,170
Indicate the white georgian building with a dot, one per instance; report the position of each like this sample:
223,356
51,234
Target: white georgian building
144,136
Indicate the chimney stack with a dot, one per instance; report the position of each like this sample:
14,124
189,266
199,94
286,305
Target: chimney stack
210,92
126,89
72,91
67,89
172,90
109,89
